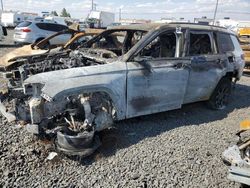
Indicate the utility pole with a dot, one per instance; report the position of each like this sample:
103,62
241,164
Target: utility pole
2,4
215,11
92,4
120,14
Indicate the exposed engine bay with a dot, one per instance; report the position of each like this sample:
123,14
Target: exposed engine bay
59,61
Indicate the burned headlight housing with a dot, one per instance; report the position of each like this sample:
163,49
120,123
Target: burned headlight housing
33,89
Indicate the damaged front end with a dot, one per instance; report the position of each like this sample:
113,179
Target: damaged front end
74,118
12,80
76,104
75,121
238,156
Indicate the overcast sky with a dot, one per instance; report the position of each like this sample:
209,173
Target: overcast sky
145,9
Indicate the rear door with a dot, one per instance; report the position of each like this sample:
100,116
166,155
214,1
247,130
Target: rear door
60,39
207,66
157,77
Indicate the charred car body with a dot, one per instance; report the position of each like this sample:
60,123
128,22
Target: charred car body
39,57
145,69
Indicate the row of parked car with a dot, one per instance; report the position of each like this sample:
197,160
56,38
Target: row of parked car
76,90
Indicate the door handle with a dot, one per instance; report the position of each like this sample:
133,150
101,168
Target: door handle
219,61
178,65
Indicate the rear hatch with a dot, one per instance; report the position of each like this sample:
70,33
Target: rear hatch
22,29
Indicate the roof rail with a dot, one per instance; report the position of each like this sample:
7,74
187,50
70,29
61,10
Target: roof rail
199,24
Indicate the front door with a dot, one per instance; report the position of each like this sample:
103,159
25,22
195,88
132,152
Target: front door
156,79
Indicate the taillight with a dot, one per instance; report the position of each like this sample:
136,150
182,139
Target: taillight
26,30
242,56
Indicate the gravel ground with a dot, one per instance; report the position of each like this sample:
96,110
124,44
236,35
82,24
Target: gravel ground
181,148
7,44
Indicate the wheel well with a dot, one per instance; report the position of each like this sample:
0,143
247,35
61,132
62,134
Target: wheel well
229,75
100,100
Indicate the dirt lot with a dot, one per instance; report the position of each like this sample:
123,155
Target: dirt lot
181,148
7,44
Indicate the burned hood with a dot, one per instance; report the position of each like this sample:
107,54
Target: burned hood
102,66
58,83
22,52
56,76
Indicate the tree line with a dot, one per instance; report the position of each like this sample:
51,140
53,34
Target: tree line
64,13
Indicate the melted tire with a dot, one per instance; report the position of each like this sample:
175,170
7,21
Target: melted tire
220,96
69,141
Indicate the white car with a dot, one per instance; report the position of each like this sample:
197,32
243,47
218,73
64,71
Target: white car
29,32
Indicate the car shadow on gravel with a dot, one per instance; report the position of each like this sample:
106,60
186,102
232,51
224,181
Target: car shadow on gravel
8,46
132,131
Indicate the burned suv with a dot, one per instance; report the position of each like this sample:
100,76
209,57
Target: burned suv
145,69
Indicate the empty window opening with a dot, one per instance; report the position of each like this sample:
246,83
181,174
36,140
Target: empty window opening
200,44
224,43
162,46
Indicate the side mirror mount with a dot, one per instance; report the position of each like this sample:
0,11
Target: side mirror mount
144,61
178,30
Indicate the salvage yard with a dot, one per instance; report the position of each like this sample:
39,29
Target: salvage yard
180,148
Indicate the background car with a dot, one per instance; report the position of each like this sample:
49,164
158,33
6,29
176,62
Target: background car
29,32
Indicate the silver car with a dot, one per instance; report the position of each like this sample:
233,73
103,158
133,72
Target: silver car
29,32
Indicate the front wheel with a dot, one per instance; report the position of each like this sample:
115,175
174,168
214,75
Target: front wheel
220,96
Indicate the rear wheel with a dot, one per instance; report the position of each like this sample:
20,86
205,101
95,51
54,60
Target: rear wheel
220,96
